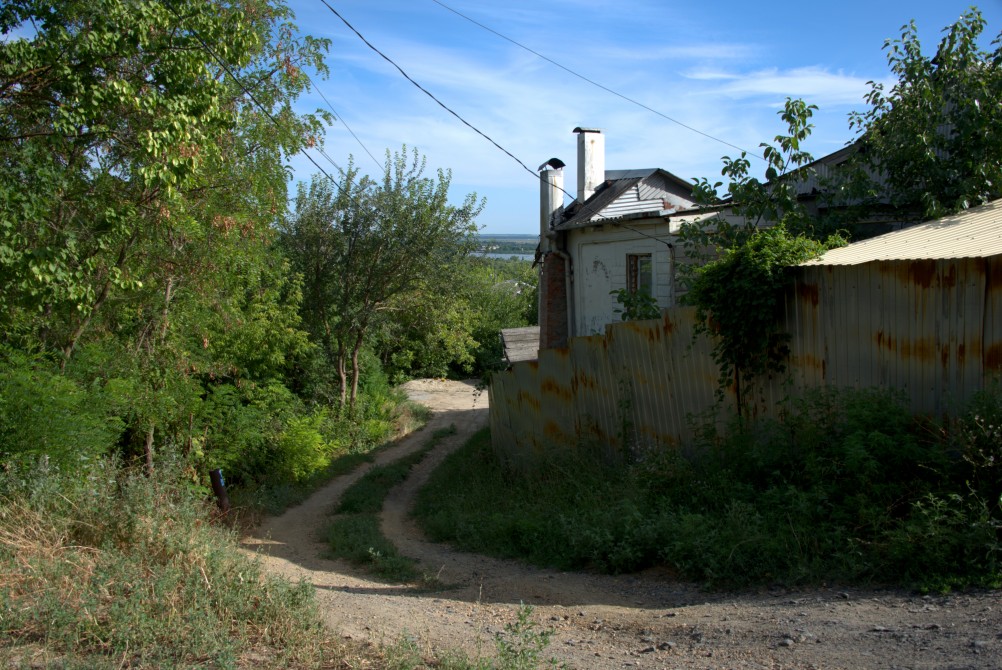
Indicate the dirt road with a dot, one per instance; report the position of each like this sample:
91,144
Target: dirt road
642,621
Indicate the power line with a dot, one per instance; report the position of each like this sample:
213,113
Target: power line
340,118
430,95
594,83
219,61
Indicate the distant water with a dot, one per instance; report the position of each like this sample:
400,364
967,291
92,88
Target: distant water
521,257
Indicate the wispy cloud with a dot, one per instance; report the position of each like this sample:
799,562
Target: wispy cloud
815,84
724,78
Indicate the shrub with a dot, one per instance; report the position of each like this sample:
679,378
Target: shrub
110,566
44,414
848,486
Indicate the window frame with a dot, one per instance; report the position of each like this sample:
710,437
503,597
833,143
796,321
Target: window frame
634,267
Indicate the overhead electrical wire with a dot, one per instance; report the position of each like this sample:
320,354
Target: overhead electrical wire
432,96
340,118
219,61
593,82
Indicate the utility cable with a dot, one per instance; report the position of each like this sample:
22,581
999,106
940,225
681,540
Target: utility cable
430,95
340,118
595,83
219,61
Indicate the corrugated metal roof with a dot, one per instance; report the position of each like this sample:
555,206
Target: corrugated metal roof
617,183
975,233
584,214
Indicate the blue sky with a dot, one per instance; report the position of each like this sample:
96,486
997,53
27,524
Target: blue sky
724,68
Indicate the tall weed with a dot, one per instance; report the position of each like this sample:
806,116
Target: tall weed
117,566
848,486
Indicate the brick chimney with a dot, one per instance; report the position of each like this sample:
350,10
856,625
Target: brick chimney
553,275
591,161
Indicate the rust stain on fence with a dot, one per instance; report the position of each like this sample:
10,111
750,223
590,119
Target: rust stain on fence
808,360
526,397
993,358
918,273
933,327
921,349
808,293
550,386
884,341
553,432
949,278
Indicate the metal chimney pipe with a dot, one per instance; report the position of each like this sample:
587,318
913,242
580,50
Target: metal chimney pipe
591,161
551,201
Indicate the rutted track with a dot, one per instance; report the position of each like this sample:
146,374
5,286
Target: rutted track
647,621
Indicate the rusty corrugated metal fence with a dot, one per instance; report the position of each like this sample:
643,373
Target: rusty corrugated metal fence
931,328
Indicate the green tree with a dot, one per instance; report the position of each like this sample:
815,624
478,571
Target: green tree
363,244
455,330
737,270
123,140
935,138
141,175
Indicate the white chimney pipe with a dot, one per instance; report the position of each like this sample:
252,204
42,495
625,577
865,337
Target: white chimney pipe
591,161
551,201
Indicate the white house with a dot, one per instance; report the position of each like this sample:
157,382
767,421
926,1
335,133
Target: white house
621,232
618,233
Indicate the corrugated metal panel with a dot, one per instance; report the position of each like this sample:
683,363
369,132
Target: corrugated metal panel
626,193
974,233
626,207
931,328
633,387
992,328
555,394
917,326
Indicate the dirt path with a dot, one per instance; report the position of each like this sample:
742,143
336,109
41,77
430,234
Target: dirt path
645,621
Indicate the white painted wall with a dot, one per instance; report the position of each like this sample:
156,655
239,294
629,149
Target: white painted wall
599,255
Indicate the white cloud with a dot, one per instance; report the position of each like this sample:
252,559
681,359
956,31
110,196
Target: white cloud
816,85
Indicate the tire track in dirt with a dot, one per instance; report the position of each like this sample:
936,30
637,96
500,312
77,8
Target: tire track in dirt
599,621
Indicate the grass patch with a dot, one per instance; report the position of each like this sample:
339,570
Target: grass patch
849,487
274,498
354,534
520,646
109,568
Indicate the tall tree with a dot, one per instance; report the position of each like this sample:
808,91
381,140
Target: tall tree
124,140
736,271
935,138
362,244
141,174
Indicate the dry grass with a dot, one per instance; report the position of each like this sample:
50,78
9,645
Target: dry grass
135,576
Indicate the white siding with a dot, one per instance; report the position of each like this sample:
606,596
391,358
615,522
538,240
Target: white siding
600,268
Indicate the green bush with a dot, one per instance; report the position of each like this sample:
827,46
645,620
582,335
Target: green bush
107,566
44,414
848,486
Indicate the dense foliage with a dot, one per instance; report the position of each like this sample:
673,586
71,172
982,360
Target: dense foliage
739,264
389,269
151,328
935,138
366,248
140,181
927,147
848,487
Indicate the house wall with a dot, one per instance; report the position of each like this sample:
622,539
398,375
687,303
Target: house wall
930,328
553,317
599,254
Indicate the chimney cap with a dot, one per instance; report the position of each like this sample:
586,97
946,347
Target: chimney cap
554,163
579,129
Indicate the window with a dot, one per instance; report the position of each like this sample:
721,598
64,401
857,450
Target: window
639,273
